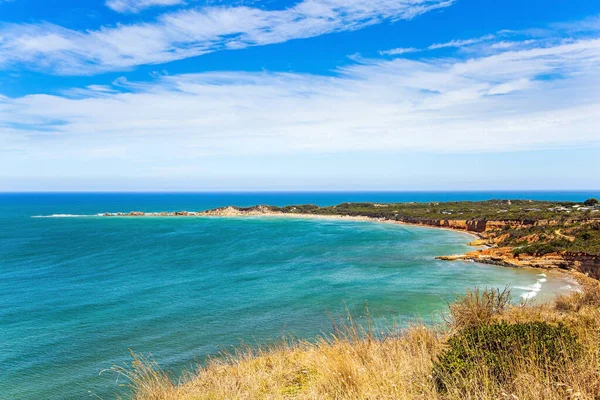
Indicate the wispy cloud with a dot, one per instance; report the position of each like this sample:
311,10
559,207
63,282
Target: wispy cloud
457,43
135,6
503,40
493,103
190,33
398,51
511,44
461,43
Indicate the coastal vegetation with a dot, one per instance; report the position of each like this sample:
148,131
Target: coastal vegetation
487,348
506,210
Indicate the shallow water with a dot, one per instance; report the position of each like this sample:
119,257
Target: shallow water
77,293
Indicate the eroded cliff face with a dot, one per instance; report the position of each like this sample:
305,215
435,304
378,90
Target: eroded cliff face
504,256
588,264
478,226
585,263
465,225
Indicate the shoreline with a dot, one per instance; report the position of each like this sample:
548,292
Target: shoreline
572,276
346,218
483,253
212,214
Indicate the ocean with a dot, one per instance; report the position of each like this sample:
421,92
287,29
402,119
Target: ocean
78,291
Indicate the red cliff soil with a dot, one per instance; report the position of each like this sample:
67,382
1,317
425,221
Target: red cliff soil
585,263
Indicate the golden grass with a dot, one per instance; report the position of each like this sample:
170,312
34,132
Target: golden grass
355,363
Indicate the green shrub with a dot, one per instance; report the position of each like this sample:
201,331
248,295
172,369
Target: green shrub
542,248
591,202
497,351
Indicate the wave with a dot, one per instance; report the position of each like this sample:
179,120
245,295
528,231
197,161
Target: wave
66,215
532,290
528,295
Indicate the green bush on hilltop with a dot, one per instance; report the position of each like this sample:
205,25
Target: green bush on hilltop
498,347
591,202
504,210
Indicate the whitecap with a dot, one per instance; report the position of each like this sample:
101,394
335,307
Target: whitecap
536,287
61,216
529,295
532,290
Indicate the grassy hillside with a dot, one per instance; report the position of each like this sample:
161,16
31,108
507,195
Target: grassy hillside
574,237
493,210
486,349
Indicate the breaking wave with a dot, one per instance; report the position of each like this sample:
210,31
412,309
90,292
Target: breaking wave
532,290
66,215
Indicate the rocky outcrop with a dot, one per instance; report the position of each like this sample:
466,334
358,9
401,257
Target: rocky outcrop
480,226
473,225
463,225
235,211
585,263
152,214
223,211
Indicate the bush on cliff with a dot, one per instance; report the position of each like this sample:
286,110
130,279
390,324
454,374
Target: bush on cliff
591,202
493,350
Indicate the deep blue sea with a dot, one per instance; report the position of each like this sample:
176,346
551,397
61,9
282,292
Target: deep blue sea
76,293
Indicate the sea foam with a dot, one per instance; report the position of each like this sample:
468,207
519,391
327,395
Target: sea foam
534,289
65,216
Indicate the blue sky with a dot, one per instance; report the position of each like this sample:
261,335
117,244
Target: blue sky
299,95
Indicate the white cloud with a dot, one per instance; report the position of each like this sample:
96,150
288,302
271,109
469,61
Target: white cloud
190,33
135,6
511,44
461,43
503,40
491,103
467,43
398,51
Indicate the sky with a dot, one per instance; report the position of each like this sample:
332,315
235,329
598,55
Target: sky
234,95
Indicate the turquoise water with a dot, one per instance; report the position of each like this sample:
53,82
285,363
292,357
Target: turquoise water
77,293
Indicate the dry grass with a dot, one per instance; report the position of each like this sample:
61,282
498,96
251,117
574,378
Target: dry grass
477,307
358,364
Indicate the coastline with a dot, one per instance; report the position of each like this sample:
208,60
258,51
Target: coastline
347,218
227,214
573,277
485,250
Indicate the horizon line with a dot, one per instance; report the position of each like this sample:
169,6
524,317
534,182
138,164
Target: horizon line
301,191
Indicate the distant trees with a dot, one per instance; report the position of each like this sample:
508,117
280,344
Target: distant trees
591,202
